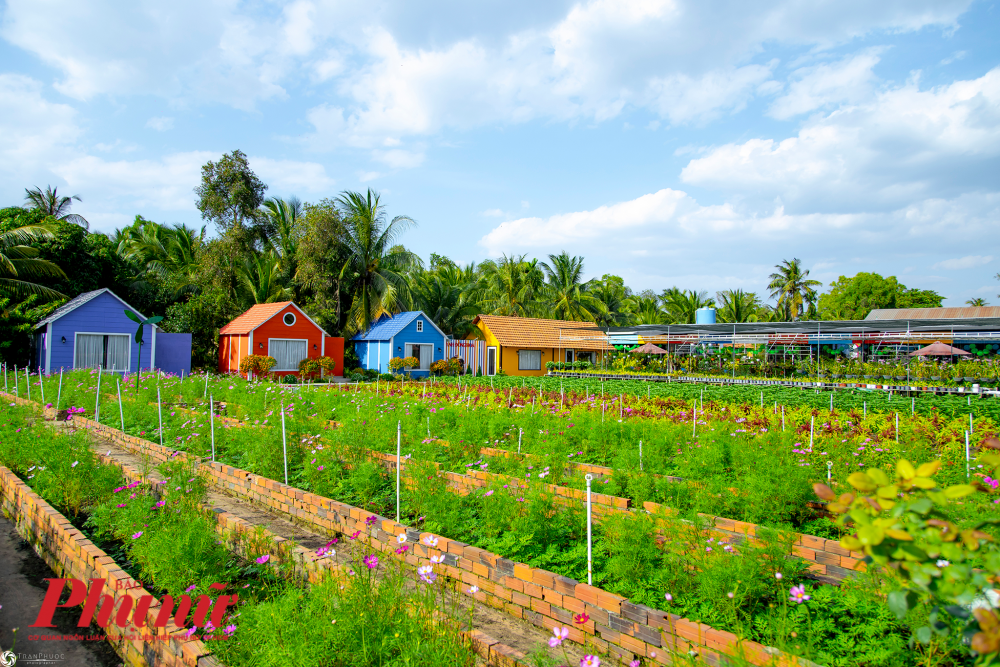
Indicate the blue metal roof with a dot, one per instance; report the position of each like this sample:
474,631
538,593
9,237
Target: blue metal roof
387,327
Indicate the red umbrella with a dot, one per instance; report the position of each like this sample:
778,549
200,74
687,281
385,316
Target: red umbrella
649,348
939,349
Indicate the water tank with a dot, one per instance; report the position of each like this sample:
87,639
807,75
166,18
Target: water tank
704,316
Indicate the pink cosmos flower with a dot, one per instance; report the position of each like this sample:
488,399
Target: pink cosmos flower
190,588
430,540
263,559
590,661
797,594
136,536
560,634
371,561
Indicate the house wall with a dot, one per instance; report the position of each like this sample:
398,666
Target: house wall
369,351
334,347
103,314
302,329
429,336
232,349
173,353
507,357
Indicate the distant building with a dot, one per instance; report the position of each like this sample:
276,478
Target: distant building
409,334
280,330
92,331
968,312
522,345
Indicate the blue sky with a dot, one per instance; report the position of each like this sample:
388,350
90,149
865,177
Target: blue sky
680,143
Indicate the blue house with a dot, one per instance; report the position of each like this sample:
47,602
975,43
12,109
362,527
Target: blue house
92,331
409,334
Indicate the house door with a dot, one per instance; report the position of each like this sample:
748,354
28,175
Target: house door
491,361
569,355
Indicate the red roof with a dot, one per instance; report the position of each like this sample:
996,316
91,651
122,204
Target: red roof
253,318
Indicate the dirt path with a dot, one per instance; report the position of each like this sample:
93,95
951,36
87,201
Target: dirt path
518,634
22,589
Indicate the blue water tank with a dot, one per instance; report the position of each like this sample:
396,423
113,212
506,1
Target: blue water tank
704,316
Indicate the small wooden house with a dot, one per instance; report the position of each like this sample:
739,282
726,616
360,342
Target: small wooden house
91,331
523,345
409,334
280,330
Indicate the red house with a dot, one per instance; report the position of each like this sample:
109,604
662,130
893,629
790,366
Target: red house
280,330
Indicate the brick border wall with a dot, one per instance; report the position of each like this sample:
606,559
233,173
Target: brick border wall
616,626
71,555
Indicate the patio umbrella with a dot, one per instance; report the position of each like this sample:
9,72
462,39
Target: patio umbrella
648,348
939,349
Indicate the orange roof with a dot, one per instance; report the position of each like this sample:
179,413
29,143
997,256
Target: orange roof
253,318
531,332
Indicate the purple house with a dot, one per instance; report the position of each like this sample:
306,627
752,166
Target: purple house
92,331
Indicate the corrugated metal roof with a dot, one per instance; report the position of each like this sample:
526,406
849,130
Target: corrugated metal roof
253,318
933,313
532,332
81,299
387,327
847,328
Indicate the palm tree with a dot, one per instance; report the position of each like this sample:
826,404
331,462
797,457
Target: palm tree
612,294
567,295
167,253
509,286
792,287
978,302
681,305
445,296
375,264
52,204
19,262
282,214
738,306
259,278
645,309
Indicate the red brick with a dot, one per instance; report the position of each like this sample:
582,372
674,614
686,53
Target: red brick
610,601
632,644
523,572
533,590
587,593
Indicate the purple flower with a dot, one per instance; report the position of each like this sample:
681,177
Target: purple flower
797,594
263,559
371,561
136,536
427,574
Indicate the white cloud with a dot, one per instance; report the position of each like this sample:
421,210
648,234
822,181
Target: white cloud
160,123
905,145
33,129
288,177
492,213
966,262
849,80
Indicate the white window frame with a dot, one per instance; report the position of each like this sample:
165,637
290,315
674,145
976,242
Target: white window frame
420,326
522,368
288,324
570,356
294,340
106,333
430,345
496,359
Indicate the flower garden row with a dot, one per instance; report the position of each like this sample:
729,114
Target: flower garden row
148,536
635,556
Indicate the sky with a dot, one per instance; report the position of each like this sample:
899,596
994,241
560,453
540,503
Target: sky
673,143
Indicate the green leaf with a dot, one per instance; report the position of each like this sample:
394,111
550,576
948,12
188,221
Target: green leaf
132,316
958,611
923,635
899,603
959,491
154,320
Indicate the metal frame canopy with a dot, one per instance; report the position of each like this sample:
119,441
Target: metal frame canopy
902,332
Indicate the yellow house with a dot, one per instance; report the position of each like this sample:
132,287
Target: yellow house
522,345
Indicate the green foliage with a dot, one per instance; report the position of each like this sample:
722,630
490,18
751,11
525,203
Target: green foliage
17,322
230,193
202,315
853,298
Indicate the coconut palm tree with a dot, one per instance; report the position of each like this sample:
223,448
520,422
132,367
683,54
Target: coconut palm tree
281,215
612,293
645,309
168,253
978,302
567,296
375,265
509,286
792,287
52,204
445,296
738,306
681,305
259,278
19,263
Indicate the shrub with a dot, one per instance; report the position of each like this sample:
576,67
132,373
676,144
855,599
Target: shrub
311,367
357,376
549,365
257,364
388,377
289,379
